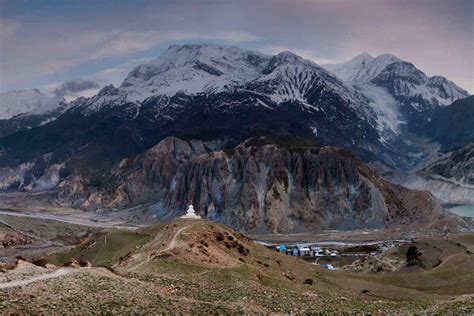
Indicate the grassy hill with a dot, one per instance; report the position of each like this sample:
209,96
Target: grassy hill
197,266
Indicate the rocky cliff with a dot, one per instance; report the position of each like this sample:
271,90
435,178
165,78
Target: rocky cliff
262,185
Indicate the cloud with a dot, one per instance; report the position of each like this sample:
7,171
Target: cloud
102,78
236,37
47,42
55,53
75,87
118,73
312,55
130,42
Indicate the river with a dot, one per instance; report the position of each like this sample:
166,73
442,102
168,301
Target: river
462,210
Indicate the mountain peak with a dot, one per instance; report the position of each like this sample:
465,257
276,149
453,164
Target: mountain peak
288,56
363,67
412,87
362,57
180,55
108,90
194,68
365,54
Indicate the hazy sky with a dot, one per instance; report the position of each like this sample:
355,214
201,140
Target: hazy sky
44,44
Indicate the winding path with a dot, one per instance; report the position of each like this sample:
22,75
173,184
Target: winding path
172,243
170,246
70,220
48,242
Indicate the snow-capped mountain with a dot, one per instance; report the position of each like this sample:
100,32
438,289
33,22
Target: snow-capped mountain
231,90
207,91
401,79
405,82
288,77
400,94
193,69
226,96
210,69
24,109
233,80
32,101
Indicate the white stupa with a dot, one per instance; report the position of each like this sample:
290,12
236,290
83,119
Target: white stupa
190,213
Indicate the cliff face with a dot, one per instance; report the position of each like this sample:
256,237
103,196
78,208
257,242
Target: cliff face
450,176
259,186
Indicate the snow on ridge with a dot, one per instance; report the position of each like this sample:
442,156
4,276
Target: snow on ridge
208,68
408,81
22,102
447,91
194,68
288,81
386,81
367,69
291,77
361,68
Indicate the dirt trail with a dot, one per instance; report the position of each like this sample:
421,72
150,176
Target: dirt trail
172,243
55,274
170,246
98,252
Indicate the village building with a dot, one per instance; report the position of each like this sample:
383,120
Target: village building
281,248
317,251
301,251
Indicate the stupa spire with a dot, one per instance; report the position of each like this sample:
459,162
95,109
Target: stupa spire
191,213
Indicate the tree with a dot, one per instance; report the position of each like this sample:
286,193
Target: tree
413,256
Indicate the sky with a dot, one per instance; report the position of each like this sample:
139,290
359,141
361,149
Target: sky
70,48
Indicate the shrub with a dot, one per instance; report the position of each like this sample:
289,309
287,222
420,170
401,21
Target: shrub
308,281
40,262
242,249
219,236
